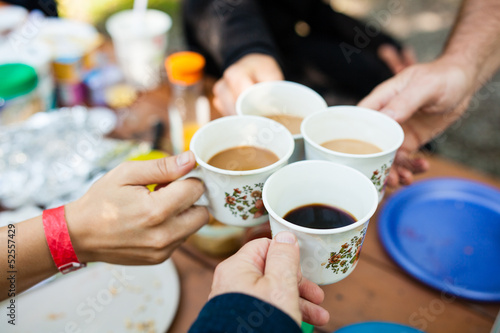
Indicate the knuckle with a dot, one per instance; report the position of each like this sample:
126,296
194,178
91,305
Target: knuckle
158,257
123,169
220,268
163,166
231,74
159,241
155,215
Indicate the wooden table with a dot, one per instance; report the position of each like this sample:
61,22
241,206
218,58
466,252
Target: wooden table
377,290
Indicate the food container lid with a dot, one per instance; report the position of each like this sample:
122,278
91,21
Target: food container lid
185,67
16,80
11,17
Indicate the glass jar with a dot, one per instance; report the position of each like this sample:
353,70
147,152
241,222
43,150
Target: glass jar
18,98
189,108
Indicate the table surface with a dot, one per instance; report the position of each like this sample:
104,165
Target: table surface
377,290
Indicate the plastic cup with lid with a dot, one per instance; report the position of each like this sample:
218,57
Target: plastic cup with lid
140,44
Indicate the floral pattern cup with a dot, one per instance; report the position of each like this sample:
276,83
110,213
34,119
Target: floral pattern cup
352,122
235,197
326,255
281,97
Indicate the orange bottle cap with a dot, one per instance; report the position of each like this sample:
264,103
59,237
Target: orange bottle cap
185,67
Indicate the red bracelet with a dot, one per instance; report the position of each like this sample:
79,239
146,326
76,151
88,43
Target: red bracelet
61,249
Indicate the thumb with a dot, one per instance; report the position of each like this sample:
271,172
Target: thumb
160,171
283,259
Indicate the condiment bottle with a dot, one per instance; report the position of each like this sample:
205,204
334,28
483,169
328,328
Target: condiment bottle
189,108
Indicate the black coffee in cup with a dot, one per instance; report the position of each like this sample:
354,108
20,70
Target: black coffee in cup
319,216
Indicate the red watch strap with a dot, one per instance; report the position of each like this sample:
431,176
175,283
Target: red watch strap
58,240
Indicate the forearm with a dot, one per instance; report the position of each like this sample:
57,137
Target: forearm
31,260
474,43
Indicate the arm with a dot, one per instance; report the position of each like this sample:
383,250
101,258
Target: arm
427,98
227,29
117,221
269,273
474,44
236,37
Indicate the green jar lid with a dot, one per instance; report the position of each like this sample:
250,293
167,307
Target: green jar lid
16,80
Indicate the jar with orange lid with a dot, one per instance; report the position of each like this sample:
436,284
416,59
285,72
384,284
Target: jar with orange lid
189,108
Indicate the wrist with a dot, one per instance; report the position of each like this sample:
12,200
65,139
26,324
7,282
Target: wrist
59,241
461,63
78,231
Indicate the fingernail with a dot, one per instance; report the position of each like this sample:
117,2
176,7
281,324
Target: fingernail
183,158
286,237
390,113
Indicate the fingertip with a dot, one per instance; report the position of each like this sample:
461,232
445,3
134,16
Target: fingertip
396,113
324,317
405,176
285,237
422,164
313,313
185,159
389,112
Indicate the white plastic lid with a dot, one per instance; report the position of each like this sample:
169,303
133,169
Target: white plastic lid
123,25
11,17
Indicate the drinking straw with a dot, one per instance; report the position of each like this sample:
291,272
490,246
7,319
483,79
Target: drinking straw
139,10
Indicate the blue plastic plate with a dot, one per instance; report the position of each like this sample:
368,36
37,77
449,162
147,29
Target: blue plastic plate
446,233
377,327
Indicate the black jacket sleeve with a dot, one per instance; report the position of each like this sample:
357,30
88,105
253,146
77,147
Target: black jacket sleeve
227,30
236,312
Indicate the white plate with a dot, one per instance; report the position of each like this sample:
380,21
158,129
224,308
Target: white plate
100,298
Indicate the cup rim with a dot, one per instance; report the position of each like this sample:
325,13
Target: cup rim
250,89
334,109
110,23
207,166
331,231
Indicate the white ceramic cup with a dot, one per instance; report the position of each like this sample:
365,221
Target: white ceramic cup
235,197
326,255
281,97
140,45
352,122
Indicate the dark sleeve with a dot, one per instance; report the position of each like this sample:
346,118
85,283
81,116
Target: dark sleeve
235,312
360,34
227,30
48,7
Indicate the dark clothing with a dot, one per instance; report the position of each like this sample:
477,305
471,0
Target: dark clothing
48,7
337,53
240,313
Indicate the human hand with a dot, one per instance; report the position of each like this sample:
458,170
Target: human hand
270,271
120,221
425,99
250,69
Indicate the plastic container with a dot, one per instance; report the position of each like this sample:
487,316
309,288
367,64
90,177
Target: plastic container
98,80
11,19
189,108
73,46
38,55
140,44
18,98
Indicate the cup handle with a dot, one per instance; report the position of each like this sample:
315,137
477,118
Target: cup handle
196,173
